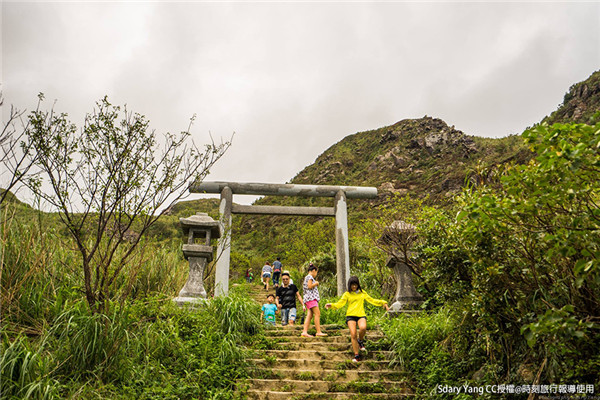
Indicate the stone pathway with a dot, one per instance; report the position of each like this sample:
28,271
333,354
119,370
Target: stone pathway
294,367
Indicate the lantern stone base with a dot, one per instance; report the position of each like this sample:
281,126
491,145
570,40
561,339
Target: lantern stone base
406,306
188,301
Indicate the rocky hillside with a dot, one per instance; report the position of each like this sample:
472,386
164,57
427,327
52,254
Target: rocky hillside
419,157
580,103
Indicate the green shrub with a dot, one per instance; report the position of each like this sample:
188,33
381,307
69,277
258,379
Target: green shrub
424,345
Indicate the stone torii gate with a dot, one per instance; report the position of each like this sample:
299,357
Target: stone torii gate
339,211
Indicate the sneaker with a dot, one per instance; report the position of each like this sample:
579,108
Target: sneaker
356,358
361,345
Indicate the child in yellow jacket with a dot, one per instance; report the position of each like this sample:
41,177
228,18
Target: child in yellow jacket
355,315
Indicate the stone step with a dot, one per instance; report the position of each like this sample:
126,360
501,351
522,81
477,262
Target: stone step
265,395
315,365
324,355
332,375
326,339
336,332
296,338
299,368
331,346
314,345
310,386
299,327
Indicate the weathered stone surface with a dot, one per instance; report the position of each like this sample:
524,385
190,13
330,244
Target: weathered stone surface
198,251
342,252
273,189
199,226
224,246
407,296
201,221
401,234
319,367
284,210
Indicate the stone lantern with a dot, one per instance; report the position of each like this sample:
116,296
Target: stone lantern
200,229
399,236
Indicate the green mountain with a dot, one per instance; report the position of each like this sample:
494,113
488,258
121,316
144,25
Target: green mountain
419,157
424,158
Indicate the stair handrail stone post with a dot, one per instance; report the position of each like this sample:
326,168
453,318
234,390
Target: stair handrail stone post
200,230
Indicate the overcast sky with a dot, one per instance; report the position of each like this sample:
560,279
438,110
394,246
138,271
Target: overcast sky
292,79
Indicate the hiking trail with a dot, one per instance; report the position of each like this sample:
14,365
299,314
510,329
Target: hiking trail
296,368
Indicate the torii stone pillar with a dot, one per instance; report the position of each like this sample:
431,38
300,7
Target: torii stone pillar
224,247
339,211
342,251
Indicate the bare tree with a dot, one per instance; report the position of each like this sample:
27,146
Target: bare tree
109,178
16,156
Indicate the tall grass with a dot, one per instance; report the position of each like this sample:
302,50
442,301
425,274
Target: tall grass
24,371
36,272
143,346
427,346
415,335
184,354
153,268
92,345
236,314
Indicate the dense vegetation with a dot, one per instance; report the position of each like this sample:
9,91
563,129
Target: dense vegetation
507,263
513,276
144,346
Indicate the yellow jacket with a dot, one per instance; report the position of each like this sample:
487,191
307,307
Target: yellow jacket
356,303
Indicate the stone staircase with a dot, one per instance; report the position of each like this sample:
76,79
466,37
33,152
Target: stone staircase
295,367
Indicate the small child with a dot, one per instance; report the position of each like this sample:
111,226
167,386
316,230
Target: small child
269,310
355,315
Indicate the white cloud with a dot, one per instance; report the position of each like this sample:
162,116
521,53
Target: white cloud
291,79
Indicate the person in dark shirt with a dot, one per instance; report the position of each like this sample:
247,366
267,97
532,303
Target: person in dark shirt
277,267
285,299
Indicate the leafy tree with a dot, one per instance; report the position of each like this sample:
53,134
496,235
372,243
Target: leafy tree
109,182
533,239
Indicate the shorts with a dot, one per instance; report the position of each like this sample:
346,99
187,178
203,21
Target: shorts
266,275
288,314
353,318
270,319
312,304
